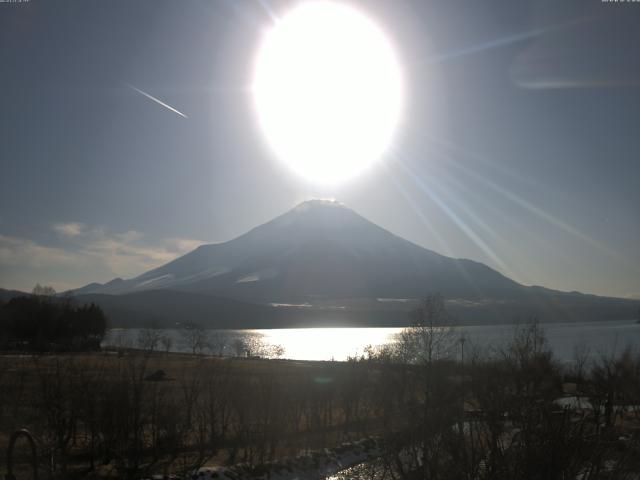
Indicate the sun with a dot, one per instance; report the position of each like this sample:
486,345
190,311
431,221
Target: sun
327,89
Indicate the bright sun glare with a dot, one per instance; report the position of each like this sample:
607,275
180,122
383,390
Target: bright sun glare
328,91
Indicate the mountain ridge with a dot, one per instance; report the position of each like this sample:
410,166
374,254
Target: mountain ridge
322,264
306,252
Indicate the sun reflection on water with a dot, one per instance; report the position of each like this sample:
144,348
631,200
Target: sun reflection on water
327,343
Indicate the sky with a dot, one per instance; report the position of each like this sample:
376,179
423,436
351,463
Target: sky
518,144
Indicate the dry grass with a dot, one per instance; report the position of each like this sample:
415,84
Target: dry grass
316,388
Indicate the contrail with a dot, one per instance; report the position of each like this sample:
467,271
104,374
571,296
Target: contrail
151,97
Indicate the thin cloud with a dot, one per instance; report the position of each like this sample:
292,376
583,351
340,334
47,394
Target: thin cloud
22,252
72,229
88,254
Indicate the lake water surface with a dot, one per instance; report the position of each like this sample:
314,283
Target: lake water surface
341,343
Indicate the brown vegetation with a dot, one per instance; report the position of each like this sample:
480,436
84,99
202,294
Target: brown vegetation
142,412
500,416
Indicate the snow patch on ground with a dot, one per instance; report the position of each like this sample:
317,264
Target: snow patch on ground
154,282
312,466
304,305
208,273
258,276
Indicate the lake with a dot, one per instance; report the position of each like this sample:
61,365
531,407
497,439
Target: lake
341,343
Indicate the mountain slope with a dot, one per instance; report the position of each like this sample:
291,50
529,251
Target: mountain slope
6,295
319,249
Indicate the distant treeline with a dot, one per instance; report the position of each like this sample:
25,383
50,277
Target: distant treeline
43,322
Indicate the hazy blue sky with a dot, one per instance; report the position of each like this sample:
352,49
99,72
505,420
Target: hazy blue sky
519,146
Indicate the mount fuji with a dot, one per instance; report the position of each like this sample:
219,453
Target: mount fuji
322,260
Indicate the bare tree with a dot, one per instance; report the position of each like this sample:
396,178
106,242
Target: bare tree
194,336
217,343
57,404
431,336
167,342
529,343
253,345
43,291
148,339
613,378
239,347
275,351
